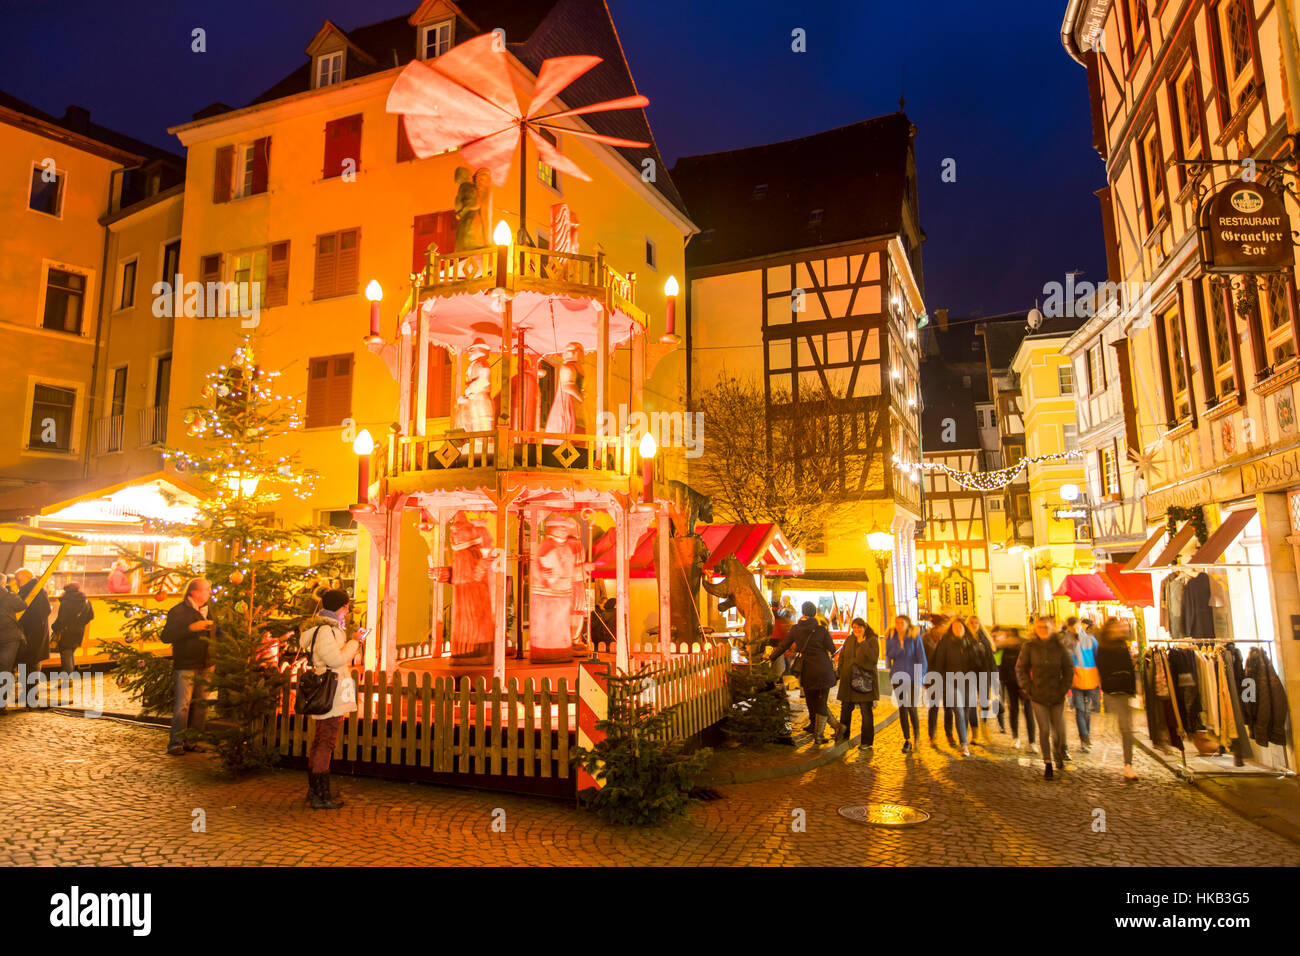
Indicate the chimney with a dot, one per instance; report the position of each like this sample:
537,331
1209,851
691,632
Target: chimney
77,119
941,319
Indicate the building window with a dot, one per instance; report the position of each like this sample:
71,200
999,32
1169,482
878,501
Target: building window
47,191
1220,343
435,39
242,170
995,504
545,172
1235,28
1153,176
1096,372
1177,370
248,272
337,255
329,69
1135,25
1108,469
329,390
52,411
1022,506
109,431
1187,96
126,285
65,294
1014,454
816,216
1070,436
651,254
1276,318
1065,379
171,263
979,418
342,143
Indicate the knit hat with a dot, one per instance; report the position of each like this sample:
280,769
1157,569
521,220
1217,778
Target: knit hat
332,600
809,609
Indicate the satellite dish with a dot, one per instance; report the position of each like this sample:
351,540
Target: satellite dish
1035,318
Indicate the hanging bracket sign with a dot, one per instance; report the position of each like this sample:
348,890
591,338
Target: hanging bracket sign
1245,228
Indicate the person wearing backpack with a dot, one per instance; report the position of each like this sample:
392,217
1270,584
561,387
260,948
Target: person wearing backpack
859,683
325,641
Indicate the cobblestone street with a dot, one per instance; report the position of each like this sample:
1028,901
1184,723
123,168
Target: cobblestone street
102,792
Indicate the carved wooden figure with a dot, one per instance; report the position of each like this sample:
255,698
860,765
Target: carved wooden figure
738,588
472,621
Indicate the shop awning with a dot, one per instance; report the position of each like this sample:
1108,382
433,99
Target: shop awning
1140,560
1085,587
760,547
1182,537
1133,590
1212,551
48,499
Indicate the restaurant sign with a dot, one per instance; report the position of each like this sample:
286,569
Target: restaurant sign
1245,228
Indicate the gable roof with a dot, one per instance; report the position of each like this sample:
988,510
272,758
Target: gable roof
1005,335
76,121
856,175
535,31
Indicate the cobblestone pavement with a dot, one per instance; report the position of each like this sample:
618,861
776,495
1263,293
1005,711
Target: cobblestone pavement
102,792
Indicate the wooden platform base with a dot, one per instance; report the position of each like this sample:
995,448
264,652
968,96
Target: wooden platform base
446,667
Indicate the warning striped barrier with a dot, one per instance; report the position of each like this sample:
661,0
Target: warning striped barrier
593,706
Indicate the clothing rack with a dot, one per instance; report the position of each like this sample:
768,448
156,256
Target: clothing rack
1184,771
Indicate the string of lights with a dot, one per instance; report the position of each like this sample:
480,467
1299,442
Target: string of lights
983,480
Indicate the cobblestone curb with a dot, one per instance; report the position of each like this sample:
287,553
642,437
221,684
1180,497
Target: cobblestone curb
790,770
1215,789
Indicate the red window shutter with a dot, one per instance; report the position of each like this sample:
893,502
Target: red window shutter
340,389
349,262
261,164
438,394
225,170
210,268
404,152
342,142
444,233
426,233
318,378
326,265
277,275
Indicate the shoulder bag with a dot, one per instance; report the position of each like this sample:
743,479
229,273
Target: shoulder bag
315,691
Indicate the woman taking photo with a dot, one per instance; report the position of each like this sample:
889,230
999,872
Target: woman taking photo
905,658
859,683
815,668
325,639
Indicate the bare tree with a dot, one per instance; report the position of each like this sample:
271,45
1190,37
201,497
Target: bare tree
793,463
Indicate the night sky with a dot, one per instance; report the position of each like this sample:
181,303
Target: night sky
987,84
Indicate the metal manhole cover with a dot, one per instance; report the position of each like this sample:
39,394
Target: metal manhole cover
885,814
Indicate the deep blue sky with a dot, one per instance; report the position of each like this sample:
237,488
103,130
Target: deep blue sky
987,84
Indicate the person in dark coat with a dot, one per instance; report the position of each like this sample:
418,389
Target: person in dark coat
859,657
930,640
187,631
35,622
11,634
987,671
70,623
957,659
1114,663
1046,671
905,657
1010,642
818,671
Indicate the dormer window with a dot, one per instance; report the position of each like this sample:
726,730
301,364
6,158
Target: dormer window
760,190
329,69
816,216
435,39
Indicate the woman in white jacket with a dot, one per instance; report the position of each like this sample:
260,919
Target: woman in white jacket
325,639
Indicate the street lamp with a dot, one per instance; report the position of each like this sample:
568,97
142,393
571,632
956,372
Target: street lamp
881,544
375,295
670,336
362,446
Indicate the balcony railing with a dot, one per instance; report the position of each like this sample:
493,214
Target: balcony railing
108,434
153,425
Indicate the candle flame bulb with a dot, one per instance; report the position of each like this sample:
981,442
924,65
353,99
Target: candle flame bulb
501,234
374,291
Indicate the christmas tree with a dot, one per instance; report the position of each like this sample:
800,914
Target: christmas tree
264,578
760,709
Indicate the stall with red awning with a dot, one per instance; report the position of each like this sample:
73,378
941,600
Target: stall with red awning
760,547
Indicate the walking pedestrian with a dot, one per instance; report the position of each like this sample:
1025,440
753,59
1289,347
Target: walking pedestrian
1118,680
70,623
816,670
956,659
905,658
326,640
35,621
11,639
1045,671
187,630
1085,694
859,683
1011,644
934,696
986,675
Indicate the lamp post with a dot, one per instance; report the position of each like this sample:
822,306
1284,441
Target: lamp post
881,544
374,293
648,448
363,445
670,336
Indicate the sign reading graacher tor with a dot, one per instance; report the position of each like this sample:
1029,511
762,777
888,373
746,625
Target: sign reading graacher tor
1245,228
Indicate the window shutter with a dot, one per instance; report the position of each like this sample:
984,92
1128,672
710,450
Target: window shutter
318,375
340,389
210,268
277,275
225,170
342,142
326,265
438,396
404,151
261,164
348,262
438,228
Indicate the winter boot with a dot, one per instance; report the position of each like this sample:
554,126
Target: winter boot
819,727
840,730
320,798
334,794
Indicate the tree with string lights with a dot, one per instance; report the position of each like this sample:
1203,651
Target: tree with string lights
263,577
